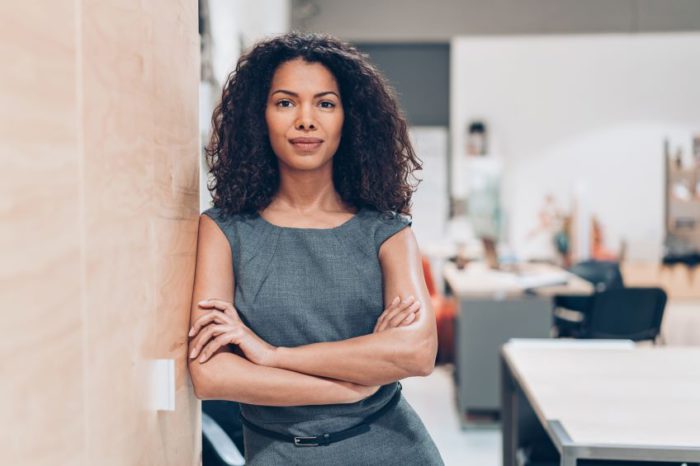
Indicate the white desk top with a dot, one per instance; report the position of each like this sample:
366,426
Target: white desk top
478,280
638,396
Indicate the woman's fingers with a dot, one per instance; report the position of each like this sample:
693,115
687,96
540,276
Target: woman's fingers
397,319
404,307
409,319
389,324
208,318
391,307
214,345
395,307
205,335
399,308
224,306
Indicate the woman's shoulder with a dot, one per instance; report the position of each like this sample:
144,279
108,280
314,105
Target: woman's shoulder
224,215
381,225
243,231
379,218
226,220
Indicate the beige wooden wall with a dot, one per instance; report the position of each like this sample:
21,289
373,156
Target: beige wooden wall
98,215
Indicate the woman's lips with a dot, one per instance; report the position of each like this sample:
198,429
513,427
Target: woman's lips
306,144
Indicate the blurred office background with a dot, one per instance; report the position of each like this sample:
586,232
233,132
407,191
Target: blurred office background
559,139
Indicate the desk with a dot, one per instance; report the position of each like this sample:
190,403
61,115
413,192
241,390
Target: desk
634,404
493,308
477,280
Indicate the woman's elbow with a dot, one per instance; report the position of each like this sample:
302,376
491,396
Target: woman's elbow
422,356
200,384
427,360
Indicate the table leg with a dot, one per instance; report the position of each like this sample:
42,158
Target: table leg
508,421
567,457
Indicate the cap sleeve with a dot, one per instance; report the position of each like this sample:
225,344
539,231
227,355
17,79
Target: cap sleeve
217,214
226,224
388,224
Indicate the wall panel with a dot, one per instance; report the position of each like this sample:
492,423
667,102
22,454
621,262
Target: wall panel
99,208
41,368
140,92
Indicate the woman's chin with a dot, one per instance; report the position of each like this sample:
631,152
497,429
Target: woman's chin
306,162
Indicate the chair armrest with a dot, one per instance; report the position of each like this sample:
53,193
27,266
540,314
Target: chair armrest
569,315
220,442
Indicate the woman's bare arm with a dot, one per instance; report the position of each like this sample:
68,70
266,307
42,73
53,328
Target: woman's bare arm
227,376
386,356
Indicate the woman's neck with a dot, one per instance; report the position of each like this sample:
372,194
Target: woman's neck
307,191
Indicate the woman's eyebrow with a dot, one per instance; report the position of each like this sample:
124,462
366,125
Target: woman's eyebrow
294,94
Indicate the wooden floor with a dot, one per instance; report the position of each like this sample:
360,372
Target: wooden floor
681,324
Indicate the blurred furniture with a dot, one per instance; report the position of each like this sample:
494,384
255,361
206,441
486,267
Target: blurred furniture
570,310
477,280
495,306
630,313
603,274
682,210
222,434
587,402
677,280
445,311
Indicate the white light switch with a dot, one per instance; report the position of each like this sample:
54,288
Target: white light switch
161,384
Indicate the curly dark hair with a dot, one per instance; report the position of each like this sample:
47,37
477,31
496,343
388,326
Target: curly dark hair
374,161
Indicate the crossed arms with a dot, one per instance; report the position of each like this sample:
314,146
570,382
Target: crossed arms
403,343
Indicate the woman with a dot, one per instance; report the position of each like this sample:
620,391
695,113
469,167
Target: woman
309,302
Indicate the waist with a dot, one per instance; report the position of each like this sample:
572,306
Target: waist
310,419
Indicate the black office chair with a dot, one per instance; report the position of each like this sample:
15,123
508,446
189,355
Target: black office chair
571,310
603,274
222,434
625,313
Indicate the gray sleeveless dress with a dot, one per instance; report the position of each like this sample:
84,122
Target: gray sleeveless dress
296,286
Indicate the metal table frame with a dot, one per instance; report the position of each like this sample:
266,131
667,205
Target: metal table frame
515,420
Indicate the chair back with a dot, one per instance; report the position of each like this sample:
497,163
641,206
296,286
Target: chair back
603,275
628,313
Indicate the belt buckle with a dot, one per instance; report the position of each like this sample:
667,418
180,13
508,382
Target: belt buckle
306,442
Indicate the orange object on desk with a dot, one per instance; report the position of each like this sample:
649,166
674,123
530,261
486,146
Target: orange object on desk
445,312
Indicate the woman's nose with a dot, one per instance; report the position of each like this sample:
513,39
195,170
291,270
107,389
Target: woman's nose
305,120
304,125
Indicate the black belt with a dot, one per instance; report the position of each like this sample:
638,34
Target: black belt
327,439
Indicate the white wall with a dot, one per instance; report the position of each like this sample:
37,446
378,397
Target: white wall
430,206
235,26
588,111
238,24
417,20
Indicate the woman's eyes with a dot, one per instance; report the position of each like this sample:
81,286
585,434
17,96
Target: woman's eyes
288,104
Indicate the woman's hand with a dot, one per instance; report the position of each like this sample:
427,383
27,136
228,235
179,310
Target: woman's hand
398,313
222,326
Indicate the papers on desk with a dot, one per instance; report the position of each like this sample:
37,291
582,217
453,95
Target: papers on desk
528,282
478,280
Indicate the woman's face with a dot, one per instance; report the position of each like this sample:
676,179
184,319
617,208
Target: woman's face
304,115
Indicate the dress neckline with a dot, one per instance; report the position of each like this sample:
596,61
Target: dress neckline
346,223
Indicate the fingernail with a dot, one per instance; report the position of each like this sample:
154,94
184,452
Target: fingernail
191,331
202,358
204,301
192,354
396,300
